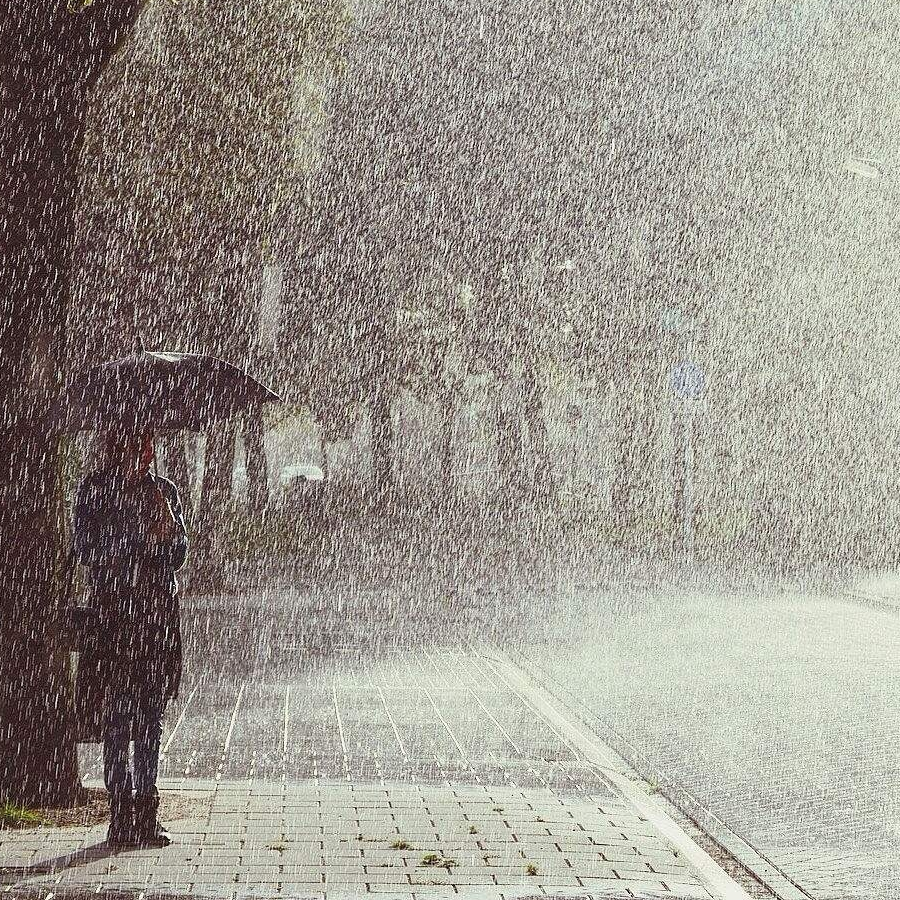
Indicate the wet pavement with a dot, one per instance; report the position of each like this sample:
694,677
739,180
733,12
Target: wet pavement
777,712
294,685
346,838
354,748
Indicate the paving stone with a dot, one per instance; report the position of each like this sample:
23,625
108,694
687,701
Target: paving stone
398,869
297,871
388,892
300,886
384,878
638,884
315,823
652,893
576,839
345,878
678,871
633,870
648,854
520,878
214,878
694,891
594,870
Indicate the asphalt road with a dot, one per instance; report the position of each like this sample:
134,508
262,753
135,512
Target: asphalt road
779,712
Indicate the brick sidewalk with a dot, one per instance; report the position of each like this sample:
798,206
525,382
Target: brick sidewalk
339,839
419,771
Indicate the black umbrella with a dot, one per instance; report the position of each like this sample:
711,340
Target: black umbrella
158,391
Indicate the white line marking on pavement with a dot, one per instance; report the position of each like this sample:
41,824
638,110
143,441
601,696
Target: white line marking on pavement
616,770
572,748
490,678
459,746
180,718
287,694
460,687
390,719
234,712
466,660
488,713
340,722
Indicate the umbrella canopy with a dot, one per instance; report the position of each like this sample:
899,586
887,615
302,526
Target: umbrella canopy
157,391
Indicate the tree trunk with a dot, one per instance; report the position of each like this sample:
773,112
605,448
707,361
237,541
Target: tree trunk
626,422
193,446
542,481
382,440
509,447
448,412
269,298
38,144
50,62
622,494
38,762
642,461
632,460
679,479
218,468
257,464
323,453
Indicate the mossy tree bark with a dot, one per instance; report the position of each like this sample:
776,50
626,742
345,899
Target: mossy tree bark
51,60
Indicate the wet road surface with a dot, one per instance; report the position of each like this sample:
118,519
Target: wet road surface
779,713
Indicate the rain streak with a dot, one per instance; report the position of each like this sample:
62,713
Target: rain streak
449,447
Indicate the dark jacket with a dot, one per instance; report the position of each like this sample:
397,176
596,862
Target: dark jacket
132,582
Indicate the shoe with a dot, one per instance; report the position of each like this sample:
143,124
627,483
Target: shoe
121,831
149,831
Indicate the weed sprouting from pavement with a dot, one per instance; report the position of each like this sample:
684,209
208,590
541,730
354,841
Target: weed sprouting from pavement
13,815
438,861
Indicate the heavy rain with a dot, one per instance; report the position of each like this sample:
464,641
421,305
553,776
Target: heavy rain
449,448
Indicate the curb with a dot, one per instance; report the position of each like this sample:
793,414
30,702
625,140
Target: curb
875,601
621,775
719,833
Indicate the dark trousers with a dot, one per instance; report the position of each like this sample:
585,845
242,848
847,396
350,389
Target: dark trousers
138,717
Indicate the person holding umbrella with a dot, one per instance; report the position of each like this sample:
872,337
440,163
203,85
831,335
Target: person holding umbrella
130,533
